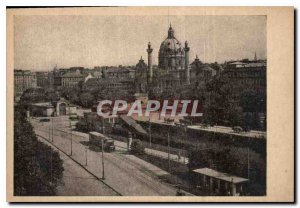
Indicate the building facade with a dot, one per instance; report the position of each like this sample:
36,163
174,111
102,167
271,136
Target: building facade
118,72
43,79
250,75
71,79
23,79
173,68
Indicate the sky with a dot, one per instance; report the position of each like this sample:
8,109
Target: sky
42,42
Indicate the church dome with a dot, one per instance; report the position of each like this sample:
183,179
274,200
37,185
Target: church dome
170,45
171,54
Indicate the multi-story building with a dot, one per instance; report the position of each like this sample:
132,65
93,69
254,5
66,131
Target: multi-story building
201,73
118,72
43,79
23,79
250,75
70,79
67,77
250,79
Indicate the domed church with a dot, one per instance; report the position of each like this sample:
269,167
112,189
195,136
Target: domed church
171,54
173,65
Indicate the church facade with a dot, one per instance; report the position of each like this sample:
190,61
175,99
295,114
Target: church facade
173,66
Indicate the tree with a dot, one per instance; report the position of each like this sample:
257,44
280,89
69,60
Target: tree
137,147
33,95
38,169
82,125
221,106
86,99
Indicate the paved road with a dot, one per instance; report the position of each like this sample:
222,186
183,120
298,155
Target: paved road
122,172
122,146
77,181
63,123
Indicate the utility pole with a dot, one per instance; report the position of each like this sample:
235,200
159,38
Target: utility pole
85,156
51,158
102,143
102,125
70,124
49,133
248,163
71,143
102,146
150,133
186,138
52,128
169,165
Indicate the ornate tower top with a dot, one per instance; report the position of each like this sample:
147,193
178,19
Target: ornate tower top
170,32
149,50
186,45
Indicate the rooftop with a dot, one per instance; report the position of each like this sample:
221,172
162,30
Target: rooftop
72,74
44,104
219,175
229,130
118,69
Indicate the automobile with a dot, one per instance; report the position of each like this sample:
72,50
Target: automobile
44,120
237,129
168,120
96,139
73,117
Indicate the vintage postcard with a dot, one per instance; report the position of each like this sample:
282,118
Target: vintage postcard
150,104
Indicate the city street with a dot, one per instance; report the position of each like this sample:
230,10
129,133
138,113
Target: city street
77,181
122,146
126,174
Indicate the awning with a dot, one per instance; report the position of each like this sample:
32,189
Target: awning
132,124
219,175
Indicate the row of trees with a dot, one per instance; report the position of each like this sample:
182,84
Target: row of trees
35,95
87,94
224,102
38,169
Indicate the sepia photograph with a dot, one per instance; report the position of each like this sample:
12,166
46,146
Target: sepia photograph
119,104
